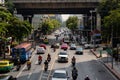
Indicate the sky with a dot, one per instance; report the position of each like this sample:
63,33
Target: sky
65,17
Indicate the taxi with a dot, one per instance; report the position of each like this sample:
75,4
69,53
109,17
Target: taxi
6,66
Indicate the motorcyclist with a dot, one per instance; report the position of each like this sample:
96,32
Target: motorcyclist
48,57
54,48
29,64
39,59
18,66
73,61
87,78
74,73
46,65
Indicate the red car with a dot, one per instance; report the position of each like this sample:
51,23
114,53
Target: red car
64,46
43,45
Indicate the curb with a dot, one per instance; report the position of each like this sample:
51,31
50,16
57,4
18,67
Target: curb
94,53
115,73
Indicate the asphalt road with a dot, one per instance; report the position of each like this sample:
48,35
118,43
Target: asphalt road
87,64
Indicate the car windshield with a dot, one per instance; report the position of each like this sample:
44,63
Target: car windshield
59,75
62,53
79,49
72,44
3,63
64,45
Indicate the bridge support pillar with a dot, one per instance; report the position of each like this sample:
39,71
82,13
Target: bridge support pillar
98,22
28,18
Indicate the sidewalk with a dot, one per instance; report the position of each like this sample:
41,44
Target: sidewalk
106,60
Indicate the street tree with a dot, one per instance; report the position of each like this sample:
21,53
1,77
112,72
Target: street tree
49,25
105,8
112,23
18,29
107,5
12,26
9,5
72,22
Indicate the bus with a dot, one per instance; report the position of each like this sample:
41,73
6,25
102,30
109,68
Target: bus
22,51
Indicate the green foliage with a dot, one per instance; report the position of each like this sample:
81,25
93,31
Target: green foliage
109,11
49,25
113,22
12,26
9,5
72,22
106,6
5,15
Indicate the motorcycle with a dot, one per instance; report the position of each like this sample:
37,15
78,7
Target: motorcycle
54,49
18,67
73,63
29,66
46,68
39,62
49,59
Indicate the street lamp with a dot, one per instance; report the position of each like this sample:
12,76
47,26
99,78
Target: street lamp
15,12
91,11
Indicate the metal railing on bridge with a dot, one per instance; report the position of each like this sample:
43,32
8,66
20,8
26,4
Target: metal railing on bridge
43,1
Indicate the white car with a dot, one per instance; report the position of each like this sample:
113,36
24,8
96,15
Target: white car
62,56
87,46
40,50
60,75
72,46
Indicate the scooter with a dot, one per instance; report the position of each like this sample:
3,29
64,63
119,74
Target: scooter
29,66
73,63
49,59
46,68
18,67
39,62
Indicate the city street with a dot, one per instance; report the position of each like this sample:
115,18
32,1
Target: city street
50,39
87,64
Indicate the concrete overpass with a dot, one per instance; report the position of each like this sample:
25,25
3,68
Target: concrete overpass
31,7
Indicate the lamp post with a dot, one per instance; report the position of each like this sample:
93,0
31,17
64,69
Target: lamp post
91,11
15,12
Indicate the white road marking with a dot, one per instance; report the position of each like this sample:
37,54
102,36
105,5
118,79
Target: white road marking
23,68
52,64
20,71
36,62
29,75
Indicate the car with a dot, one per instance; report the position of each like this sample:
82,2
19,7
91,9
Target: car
72,46
40,50
6,65
66,40
62,56
7,77
57,45
60,75
88,46
64,46
79,50
43,45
